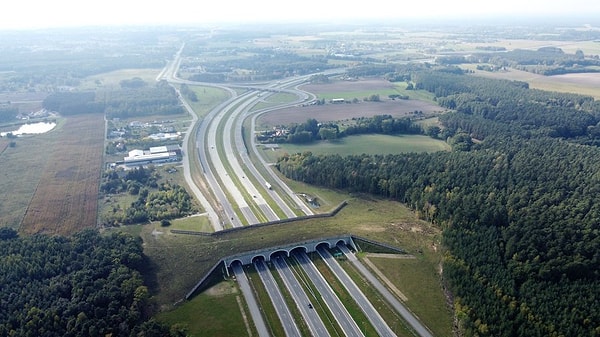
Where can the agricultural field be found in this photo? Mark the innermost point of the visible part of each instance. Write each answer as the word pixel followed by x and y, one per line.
pixel 583 83
pixel 343 111
pixel 21 168
pixel 65 199
pixel 111 80
pixel 359 144
pixel 340 112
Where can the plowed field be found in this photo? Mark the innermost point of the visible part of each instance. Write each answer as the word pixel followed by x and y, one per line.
pixel 341 111
pixel 65 200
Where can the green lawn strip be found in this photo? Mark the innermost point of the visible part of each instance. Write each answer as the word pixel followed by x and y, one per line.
pixel 419 281
pixel 330 322
pixel 274 100
pixel 208 98
pixel 292 305
pixel 264 301
pixel 328 199
pixel 421 95
pixel 353 308
pixel 359 144
pixel 433 121
pixel 215 312
pixel 195 223
pixel 391 317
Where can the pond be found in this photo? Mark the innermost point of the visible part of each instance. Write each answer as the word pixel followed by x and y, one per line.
pixel 30 129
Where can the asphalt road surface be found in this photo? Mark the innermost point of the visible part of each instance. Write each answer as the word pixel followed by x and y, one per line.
pixel 365 305
pixel 285 316
pixel 401 309
pixel 310 315
pixel 334 304
pixel 242 280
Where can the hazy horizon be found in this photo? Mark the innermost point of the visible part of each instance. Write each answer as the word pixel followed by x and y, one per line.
pixel 37 14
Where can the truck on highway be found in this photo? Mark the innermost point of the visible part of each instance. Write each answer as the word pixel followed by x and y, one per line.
pixel 268 185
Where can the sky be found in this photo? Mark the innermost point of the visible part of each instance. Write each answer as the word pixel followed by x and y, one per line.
pixel 28 14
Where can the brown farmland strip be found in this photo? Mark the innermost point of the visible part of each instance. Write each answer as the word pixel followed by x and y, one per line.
pixel 66 198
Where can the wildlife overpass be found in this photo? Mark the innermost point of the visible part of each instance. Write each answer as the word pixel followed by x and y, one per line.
pixel 266 254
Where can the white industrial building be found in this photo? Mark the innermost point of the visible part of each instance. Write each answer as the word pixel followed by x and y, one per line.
pixel 156 155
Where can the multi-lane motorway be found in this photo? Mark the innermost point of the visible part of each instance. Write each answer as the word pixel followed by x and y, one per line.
pixel 242 194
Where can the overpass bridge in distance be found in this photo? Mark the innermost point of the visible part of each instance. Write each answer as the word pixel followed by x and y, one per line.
pixel 308 247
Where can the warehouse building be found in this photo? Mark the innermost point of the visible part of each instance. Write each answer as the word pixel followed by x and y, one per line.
pixel 155 155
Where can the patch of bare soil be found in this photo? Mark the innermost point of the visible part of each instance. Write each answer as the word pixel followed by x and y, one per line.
pixel 391 256
pixel 221 289
pixel 372 228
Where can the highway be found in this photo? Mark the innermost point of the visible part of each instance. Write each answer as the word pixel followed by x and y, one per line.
pixel 212 214
pixel 363 302
pixel 257 317
pixel 310 315
pixel 347 324
pixel 285 316
pixel 232 158
pixel 202 148
pixel 215 140
pixel 209 135
pixel 221 152
pixel 399 307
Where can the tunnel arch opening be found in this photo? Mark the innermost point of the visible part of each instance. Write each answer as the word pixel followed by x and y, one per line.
pixel 283 252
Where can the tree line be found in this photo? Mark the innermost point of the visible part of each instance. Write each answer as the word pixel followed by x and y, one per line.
pixel 85 285
pixel 313 130
pixel 518 208
pixel 129 101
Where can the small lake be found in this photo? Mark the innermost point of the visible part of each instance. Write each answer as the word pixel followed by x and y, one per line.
pixel 31 129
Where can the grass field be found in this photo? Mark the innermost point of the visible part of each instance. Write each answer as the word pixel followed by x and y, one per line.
pixel 371 144
pixel 181 260
pixel 112 79
pixel 215 312
pixel 208 98
pixel 583 84
pixel 20 170
pixel 66 198
pixel 414 280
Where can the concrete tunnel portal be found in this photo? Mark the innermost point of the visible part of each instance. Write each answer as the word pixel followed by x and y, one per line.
pixel 268 253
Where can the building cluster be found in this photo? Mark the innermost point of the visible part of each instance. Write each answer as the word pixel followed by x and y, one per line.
pixel 267 136
pixel 154 155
